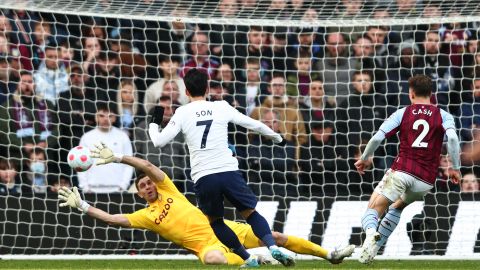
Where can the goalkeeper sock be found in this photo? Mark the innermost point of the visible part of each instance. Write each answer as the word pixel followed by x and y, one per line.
pixel 261 229
pixel 229 238
pixel 233 259
pixel 303 246
pixel 370 220
pixel 388 225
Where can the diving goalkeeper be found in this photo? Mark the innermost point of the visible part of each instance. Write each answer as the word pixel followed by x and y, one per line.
pixel 174 218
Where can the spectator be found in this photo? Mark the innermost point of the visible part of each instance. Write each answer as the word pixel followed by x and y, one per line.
pixel 268 161
pixel 226 78
pixel 469 184
pixel 396 84
pixel 217 92
pixel 61 182
pixel 252 91
pixel 99 179
pixel 128 107
pixel 437 66
pixel 336 67
pixel 172 158
pixel 291 122
pixel 379 37
pixel 6 27
pixel 106 74
pixel 455 38
pixel 67 54
pixel 76 112
pixel 320 158
pixel 278 10
pixel 471 149
pixel 91 51
pixel 298 81
pixel 306 43
pixel 7 84
pixel 200 56
pixel 169 68
pixel 26 120
pixel 316 107
pixel 256 47
pixel 9 178
pixel 51 79
pixel 222 36
pixel 41 36
pixel 363 58
pixel 18 53
pixel 362 113
pixel 470 112
pixel 34 178
pixel 280 61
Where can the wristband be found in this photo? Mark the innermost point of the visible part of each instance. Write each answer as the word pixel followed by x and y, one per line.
pixel 118 157
pixel 84 206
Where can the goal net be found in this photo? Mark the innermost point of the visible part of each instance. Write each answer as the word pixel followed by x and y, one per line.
pixel 324 74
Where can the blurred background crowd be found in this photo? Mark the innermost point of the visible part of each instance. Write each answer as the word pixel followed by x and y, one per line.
pixel 68 80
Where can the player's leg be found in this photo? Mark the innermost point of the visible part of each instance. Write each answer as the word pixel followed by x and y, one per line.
pixel 209 196
pixel 242 197
pixel 415 192
pixel 387 191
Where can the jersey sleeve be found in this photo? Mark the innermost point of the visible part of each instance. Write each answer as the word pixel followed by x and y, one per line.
pixel 447 120
pixel 391 125
pixel 160 139
pixel 238 118
pixel 138 219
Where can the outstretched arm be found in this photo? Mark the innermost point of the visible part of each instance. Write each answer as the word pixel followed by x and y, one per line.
pixel 453 148
pixel 105 155
pixel 255 125
pixel 372 145
pixel 72 199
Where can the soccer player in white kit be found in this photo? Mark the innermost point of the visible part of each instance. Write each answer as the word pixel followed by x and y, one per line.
pixel 214 170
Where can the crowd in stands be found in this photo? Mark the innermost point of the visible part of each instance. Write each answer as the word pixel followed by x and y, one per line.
pixel 70 80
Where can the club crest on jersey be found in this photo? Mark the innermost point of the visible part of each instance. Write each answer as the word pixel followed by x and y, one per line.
pixel 422 111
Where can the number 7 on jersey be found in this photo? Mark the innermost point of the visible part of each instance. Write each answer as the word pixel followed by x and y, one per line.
pixel 207 124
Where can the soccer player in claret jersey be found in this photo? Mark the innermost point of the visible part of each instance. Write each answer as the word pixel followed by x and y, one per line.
pixel 174 218
pixel 422 127
pixel 214 169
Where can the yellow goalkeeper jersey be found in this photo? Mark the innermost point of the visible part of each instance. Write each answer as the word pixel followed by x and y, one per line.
pixel 174 218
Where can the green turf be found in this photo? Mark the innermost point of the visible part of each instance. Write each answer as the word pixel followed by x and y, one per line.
pixel 177 264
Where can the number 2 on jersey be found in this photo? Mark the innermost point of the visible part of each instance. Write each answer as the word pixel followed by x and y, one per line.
pixel 418 141
pixel 207 124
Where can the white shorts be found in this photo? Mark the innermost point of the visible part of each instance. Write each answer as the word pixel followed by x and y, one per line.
pixel 396 185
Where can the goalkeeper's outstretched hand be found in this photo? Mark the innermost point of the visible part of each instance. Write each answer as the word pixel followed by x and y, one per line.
pixel 72 199
pixel 104 155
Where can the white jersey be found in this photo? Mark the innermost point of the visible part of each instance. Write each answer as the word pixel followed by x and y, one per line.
pixel 204 125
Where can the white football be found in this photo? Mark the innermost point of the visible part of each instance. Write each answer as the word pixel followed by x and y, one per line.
pixel 79 159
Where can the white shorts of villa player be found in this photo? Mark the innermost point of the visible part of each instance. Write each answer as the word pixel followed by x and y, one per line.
pixel 399 185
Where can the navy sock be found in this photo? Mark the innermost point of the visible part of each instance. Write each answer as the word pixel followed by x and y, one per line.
pixel 261 229
pixel 229 238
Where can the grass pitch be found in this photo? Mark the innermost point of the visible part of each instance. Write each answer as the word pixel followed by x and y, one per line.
pixel 190 264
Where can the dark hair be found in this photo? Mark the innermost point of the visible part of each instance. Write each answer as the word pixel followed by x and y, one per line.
pixel 360 72
pixel 256 28
pixel 140 176
pixel 38 151
pixel 26 72
pixel 421 84
pixel 196 82
pixel 105 106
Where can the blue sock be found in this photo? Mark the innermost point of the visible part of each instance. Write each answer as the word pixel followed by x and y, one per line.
pixel 261 229
pixel 229 238
pixel 388 224
pixel 370 219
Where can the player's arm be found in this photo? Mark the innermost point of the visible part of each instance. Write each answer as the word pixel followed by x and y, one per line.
pixel 388 128
pixel 105 155
pixel 453 146
pixel 73 199
pixel 160 139
pixel 255 125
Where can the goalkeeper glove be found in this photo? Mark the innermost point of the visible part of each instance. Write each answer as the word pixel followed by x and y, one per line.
pixel 104 155
pixel 72 199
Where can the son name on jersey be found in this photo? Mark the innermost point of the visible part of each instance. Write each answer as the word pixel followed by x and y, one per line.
pixel 204 113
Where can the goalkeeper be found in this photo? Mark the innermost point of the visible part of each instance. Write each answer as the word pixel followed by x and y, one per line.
pixel 174 218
